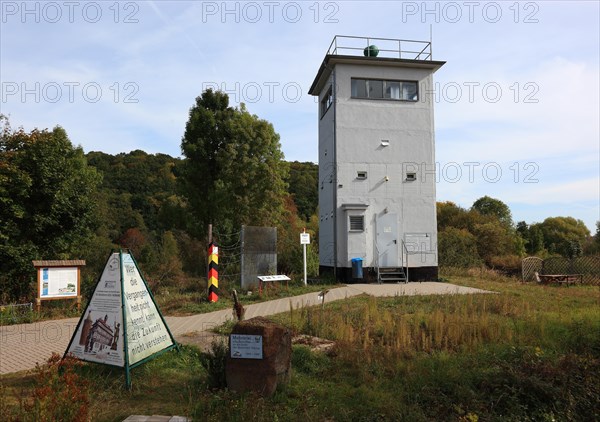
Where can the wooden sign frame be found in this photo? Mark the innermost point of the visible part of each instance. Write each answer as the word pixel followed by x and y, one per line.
pixel 40 266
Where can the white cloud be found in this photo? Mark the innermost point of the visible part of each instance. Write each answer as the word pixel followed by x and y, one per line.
pixel 559 193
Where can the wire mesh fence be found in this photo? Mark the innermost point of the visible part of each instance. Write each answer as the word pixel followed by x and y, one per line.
pixel 229 260
pixel 258 254
pixel 588 266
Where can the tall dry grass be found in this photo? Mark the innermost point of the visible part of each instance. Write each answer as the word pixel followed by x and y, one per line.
pixel 405 326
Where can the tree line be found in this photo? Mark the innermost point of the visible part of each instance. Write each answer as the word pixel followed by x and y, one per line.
pixel 59 203
pixel 485 234
pixel 56 202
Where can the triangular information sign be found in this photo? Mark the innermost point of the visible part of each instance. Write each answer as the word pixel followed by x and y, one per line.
pixel 121 294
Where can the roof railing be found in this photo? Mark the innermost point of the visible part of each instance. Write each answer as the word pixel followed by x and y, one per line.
pixel 388 47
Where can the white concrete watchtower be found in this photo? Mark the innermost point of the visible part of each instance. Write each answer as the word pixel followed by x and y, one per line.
pixel 377 158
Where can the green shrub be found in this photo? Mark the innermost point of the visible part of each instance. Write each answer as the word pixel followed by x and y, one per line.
pixel 214 364
pixel 457 248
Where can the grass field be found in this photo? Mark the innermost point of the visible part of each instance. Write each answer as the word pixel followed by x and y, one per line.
pixel 528 352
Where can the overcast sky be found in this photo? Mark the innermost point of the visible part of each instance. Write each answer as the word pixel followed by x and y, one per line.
pixel 516 105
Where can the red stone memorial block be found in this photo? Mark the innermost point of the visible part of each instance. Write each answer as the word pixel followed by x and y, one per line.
pixel 260 354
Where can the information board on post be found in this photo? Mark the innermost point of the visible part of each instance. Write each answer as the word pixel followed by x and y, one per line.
pixel 58 279
pixel 304 240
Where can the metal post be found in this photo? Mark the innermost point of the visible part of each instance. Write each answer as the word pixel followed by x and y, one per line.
pixel 124 316
pixel 430 42
pixel 242 257
pixel 304 255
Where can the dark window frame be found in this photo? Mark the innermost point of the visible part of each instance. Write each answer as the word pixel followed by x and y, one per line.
pixel 384 81
pixel 326 102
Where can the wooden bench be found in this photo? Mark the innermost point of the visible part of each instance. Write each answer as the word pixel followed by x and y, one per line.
pixel 264 279
pixel 558 278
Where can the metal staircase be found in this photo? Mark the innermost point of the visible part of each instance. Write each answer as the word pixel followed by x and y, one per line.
pixel 393 274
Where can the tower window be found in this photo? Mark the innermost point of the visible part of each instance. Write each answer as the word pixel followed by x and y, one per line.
pixel 326 101
pixel 384 89
pixel 361 175
pixel 411 177
pixel 357 223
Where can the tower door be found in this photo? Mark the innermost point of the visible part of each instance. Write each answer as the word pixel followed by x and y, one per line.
pixel 387 240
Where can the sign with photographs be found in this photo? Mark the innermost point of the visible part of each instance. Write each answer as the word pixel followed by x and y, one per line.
pixel 57 282
pixel 121 325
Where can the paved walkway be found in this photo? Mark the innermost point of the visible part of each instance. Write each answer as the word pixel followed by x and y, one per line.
pixel 23 345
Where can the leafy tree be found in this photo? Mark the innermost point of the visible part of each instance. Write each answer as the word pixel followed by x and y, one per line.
pixel 192 253
pixel 450 215
pixel 47 210
pixel 493 239
pixel 303 184
pixel 532 236
pixel 523 229
pixel 563 235
pixel 233 173
pixel 457 248
pixel 490 206
pixel 536 240
pixel 592 246
pixel 162 261
pixel 134 240
pixel 489 222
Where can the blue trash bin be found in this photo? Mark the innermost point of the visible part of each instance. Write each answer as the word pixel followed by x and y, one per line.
pixel 357 268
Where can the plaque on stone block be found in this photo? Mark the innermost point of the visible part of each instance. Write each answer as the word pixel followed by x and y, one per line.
pixel 245 346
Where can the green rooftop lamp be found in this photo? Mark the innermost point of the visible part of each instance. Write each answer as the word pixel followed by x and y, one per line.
pixel 371 51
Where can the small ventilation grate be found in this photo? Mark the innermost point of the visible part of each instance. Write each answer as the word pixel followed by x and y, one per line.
pixel 357 223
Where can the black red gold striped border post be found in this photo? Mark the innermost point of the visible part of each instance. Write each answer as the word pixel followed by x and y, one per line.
pixel 213 272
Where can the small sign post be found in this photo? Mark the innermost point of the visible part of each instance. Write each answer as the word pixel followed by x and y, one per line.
pixel 304 240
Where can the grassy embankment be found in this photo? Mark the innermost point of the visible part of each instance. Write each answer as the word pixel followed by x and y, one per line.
pixel 528 352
